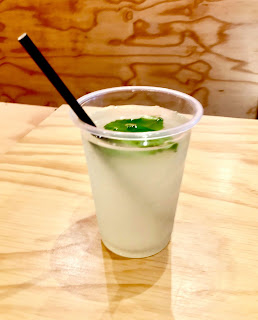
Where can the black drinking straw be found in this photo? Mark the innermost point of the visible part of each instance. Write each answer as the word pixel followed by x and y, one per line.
pixel 52 76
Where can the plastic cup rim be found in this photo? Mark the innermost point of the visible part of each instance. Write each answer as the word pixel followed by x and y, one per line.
pixel 139 135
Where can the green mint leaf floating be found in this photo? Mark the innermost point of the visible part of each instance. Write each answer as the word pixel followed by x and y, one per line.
pixel 174 147
pixel 143 124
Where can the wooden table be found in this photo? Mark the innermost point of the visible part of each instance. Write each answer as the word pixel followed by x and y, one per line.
pixel 17 120
pixel 53 265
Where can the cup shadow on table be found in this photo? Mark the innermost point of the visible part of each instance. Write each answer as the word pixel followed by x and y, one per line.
pixel 143 284
pixel 82 265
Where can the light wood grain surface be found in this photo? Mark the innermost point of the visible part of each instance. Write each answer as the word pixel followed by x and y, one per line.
pixel 207 48
pixel 53 265
pixel 17 120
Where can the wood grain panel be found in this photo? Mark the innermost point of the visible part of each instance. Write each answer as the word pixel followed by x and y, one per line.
pixel 53 265
pixel 207 48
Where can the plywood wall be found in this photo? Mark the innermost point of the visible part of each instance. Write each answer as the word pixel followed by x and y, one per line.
pixel 207 48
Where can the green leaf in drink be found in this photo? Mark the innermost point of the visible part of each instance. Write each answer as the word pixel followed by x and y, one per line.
pixel 143 124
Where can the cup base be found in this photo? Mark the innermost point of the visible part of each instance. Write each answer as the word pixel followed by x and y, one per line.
pixel 131 254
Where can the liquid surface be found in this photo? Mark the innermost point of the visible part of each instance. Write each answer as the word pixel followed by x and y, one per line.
pixel 146 118
pixel 103 116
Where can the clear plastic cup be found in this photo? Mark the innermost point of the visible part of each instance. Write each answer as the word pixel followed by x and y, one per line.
pixel 136 176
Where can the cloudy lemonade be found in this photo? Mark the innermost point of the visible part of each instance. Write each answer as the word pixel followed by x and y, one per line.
pixel 135 184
